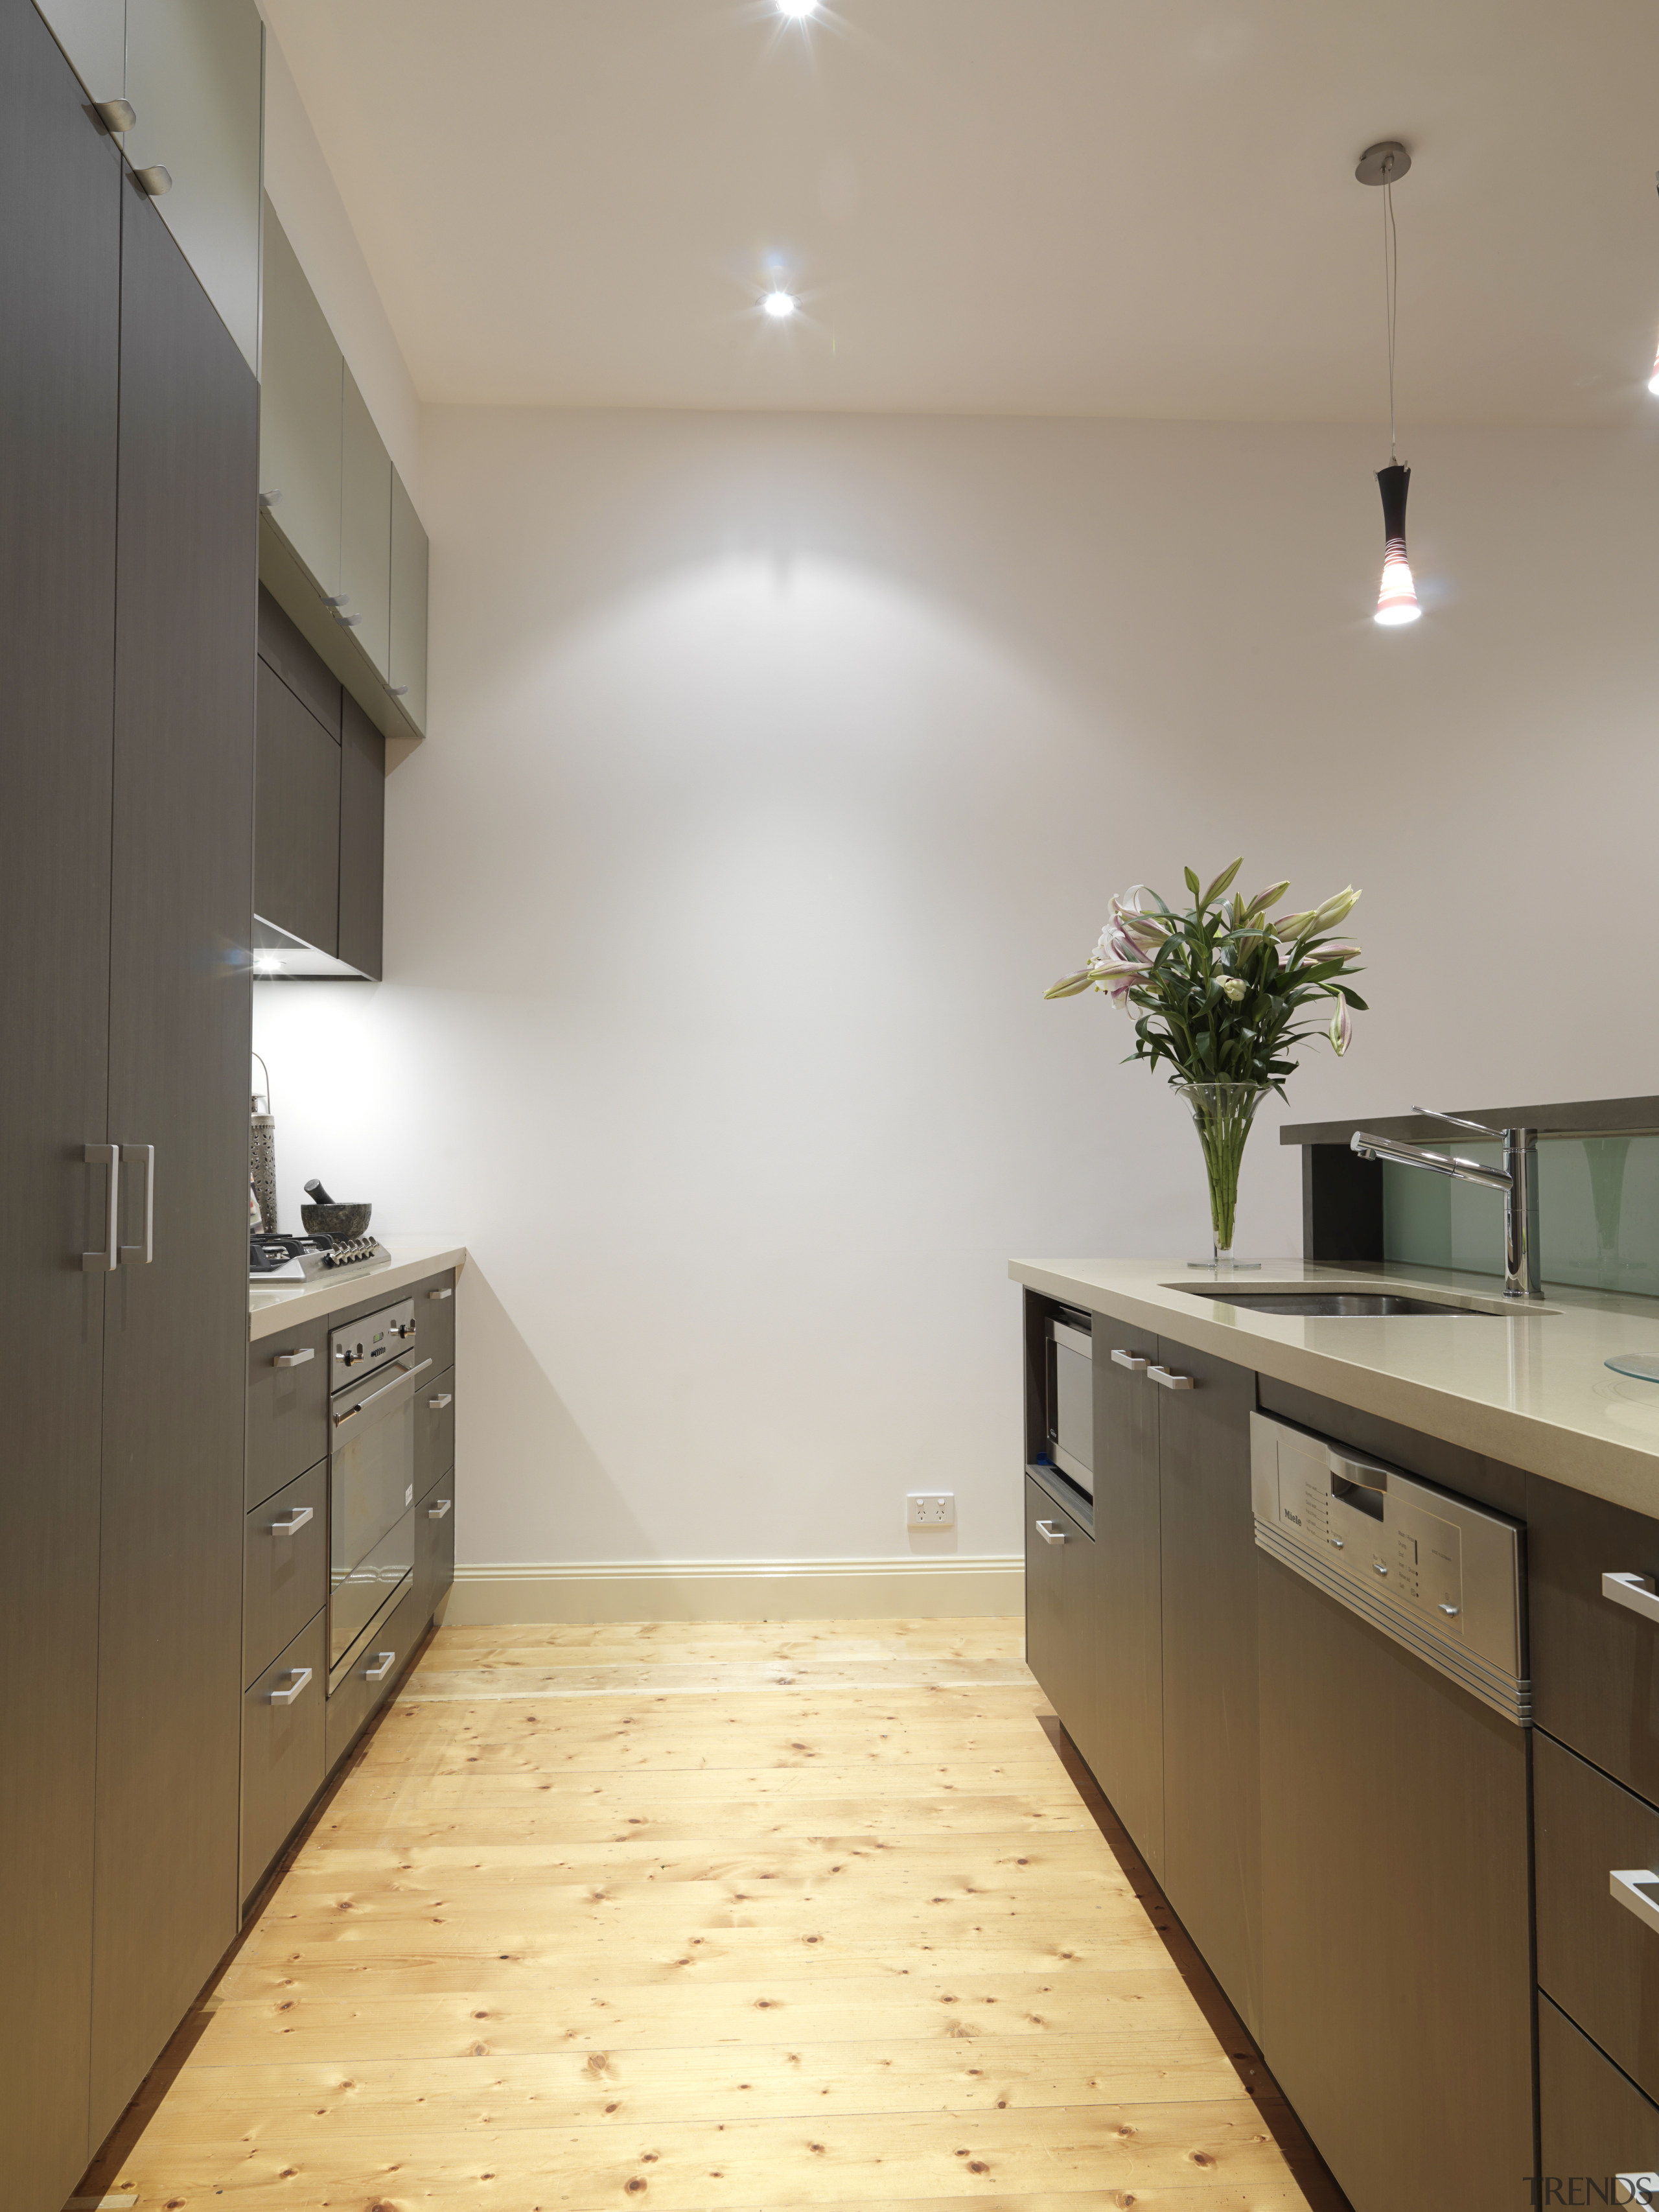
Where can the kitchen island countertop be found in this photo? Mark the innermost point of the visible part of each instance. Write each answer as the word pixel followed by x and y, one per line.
pixel 273 1307
pixel 1531 1388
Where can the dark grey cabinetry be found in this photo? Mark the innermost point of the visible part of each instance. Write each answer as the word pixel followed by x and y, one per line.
pixel 1122 1736
pixel 283 1725
pixel 169 1621
pixel 59 371
pixel 1593 2122
pixel 1060 1621
pixel 1212 1789
pixel 286 1407
pixel 362 840
pixel 1595 1662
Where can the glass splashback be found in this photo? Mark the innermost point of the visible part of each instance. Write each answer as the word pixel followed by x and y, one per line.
pixel 1598 1208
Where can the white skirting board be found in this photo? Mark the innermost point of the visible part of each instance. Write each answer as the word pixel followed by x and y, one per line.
pixel 737 1589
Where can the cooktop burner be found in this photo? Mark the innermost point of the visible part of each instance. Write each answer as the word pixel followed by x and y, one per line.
pixel 281 1258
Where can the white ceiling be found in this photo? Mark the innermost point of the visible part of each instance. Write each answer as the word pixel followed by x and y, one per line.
pixel 1074 207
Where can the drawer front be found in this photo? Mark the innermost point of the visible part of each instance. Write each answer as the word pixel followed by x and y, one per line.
pixel 358 1696
pixel 282 1751
pixel 434 1432
pixel 287 1408
pixel 1052 1575
pixel 435 1547
pixel 434 1319
pixel 1597 1959
pixel 1592 2123
pixel 1593 1662
pixel 284 1575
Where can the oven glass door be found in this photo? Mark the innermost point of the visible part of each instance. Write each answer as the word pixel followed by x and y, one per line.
pixel 371 1493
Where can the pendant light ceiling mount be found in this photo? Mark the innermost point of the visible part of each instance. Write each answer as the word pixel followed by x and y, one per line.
pixel 1385 163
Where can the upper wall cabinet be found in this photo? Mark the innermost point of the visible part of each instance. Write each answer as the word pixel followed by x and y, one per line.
pixel 342 550
pixel 365 530
pixel 300 414
pixel 193 71
pixel 409 562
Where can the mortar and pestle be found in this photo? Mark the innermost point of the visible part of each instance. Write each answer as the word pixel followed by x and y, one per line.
pixel 329 1217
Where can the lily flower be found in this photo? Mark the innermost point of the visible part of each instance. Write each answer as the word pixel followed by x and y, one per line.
pixel 1340 1031
pixel 1235 988
pixel 1336 910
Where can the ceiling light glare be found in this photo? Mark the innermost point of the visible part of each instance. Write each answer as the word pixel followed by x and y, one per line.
pixel 798 10
pixel 779 305
pixel 1653 381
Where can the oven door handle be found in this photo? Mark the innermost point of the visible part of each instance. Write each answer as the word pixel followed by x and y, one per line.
pixel 405 1382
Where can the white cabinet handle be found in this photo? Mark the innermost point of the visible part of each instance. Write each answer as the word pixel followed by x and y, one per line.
pixel 1633 1889
pixel 296 1520
pixel 142 1156
pixel 107 1262
pixel 1049 1534
pixel 1171 1381
pixel 1132 1360
pixel 437 1512
pixel 387 1660
pixel 444 1398
pixel 296 1359
pixel 1634 1591
pixel 297 1678
pixel 155 180
pixel 432 1294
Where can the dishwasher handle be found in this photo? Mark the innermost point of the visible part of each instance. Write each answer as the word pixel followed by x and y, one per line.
pixel 1633 1887
pixel 1049 1534
pixel 1636 1592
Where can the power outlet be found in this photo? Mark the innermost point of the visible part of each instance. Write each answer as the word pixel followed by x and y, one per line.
pixel 929 1509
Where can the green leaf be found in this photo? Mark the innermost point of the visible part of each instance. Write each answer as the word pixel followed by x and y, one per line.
pixel 1220 882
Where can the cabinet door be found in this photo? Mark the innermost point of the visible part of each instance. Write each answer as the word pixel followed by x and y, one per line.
pixel 195 77
pixel 169 1645
pixel 362 839
pixel 1211 1788
pixel 296 818
pixel 94 34
pixel 365 528
pixel 1125 1743
pixel 1593 2122
pixel 302 373
pixel 409 589
pixel 434 1549
pixel 1055 1605
pixel 60 289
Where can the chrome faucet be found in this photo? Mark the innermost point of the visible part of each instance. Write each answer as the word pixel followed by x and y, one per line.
pixel 1518 1179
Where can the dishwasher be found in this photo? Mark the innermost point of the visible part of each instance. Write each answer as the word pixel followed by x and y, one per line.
pixel 1396 1712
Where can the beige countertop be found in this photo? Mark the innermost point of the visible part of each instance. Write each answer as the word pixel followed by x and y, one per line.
pixel 272 1307
pixel 1530 1388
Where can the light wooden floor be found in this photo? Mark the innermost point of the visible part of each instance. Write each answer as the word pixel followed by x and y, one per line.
pixel 690 1916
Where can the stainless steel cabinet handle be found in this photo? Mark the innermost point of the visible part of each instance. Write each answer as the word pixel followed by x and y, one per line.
pixel 1633 1887
pixel 348 622
pixel 401 691
pixel 298 1516
pixel 296 1359
pixel 1132 1360
pixel 1171 1381
pixel 1049 1534
pixel 362 1405
pixel 117 114
pixel 1635 1592
pixel 435 1294
pixel 387 1660
pixel 437 1512
pixel 142 1156
pixel 444 1398
pixel 297 1678
pixel 106 1156
pixel 155 180
pixel 269 499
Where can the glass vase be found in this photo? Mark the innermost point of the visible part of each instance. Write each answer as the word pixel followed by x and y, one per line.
pixel 1222 1114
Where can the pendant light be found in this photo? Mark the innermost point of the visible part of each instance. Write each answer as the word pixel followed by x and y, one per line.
pixel 1396 601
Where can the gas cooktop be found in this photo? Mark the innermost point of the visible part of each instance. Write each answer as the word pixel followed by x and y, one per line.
pixel 277 1258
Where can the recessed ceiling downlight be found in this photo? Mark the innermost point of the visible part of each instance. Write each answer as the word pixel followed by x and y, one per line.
pixel 798 10
pixel 779 304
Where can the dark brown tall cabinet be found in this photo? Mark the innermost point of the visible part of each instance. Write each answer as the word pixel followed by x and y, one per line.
pixel 127 560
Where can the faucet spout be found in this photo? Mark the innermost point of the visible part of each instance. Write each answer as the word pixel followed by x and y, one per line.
pixel 1518 1179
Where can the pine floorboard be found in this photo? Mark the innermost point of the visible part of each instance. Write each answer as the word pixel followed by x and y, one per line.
pixel 689 1916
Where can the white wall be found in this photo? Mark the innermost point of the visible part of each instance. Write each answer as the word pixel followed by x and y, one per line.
pixel 308 205
pixel 784 763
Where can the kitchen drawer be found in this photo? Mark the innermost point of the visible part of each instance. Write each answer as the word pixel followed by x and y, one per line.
pixel 284 1576
pixel 282 1751
pixel 1059 1587
pixel 358 1697
pixel 1599 1962
pixel 435 1318
pixel 287 1407
pixel 435 1547
pixel 1593 2121
pixel 434 1432
pixel 1595 1662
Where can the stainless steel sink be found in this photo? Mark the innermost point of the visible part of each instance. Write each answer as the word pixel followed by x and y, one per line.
pixel 1334 1305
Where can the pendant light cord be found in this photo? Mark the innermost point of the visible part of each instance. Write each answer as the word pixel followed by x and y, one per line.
pixel 1390 288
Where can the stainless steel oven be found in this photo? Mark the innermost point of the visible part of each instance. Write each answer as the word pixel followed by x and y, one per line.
pixel 1068 1353
pixel 376 1370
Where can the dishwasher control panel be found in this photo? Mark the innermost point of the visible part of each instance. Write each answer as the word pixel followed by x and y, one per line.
pixel 1440 1574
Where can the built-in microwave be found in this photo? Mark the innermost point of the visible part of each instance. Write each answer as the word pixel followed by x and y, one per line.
pixel 1068 1357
